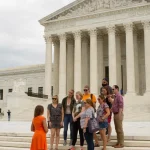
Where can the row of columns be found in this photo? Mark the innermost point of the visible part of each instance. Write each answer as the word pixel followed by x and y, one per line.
pixel 114 55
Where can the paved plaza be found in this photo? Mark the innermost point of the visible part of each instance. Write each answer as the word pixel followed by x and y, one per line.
pixel 130 128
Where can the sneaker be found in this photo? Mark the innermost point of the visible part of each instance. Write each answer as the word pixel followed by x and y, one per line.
pixel 65 143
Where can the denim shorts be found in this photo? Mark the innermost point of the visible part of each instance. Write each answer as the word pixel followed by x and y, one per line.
pixel 103 125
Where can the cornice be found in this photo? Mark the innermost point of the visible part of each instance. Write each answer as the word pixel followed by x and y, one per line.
pixel 128 12
pixel 23 70
pixel 61 10
pixel 99 13
pixel 78 6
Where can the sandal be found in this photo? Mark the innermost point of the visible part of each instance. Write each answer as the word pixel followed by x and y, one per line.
pixel 96 145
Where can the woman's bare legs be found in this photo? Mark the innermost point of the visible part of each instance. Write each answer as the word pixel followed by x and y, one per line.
pixel 109 132
pixel 57 137
pixel 103 137
pixel 95 138
pixel 53 130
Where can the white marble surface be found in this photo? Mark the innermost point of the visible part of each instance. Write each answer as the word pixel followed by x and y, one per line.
pixel 130 128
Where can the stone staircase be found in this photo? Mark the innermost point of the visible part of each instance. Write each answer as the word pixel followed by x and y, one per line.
pixel 21 141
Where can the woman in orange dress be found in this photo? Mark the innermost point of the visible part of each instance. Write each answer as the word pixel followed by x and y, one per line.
pixel 39 127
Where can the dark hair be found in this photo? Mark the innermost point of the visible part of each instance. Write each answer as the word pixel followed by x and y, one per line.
pixel 102 97
pixel 106 79
pixel 39 110
pixel 107 89
pixel 116 87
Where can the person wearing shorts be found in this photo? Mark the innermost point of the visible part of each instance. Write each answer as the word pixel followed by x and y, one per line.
pixel 102 116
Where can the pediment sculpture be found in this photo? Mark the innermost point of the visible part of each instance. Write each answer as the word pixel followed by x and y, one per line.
pixel 89 6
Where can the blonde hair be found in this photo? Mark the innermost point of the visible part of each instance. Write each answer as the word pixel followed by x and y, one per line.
pixel 89 101
pixel 79 93
pixel 86 86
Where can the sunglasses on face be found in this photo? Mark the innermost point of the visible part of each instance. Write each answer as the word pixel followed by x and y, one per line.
pixel 85 90
pixel 54 98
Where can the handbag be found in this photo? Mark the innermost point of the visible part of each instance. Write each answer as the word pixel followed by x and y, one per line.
pixel 93 124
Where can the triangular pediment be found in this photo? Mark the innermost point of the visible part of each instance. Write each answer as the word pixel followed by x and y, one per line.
pixel 85 7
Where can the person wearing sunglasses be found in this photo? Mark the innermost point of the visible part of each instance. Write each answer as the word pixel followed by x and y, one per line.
pixel 55 116
pixel 85 115
pixel 106 94
pixel 103 112
pixel 68 103
pixel 88 95
pixel 117 109
pixel 105 83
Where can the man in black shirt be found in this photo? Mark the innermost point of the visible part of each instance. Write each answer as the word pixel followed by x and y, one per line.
pixel 105 83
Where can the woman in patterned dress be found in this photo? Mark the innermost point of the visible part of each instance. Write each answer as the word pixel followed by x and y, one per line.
pixel 55 117
pixel 102 116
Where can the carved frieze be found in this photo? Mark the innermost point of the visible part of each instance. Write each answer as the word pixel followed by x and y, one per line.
pixel 89 6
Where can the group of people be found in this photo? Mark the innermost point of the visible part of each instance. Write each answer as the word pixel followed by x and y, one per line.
pixel 77 110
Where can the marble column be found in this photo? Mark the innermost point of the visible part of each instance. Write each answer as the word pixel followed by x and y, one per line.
pixel 146 25
pixel 141 56
pixel 70 63
pixel 136 62
pixel 112 56
pixel 85 61
pixel 77 61
pixel 130 63
pixel 48 66
pixel 100 60
pixel 93 61
pixel 56 66
pixel 62 67
pixel 118 60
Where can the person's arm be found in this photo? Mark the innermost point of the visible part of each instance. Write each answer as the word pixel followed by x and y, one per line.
pixel 85 124
pixel 62 116
pixel 111 100
pixel 107 110
pixel 73 113
pixel 48 115
pixel 45 125
pixel 120 103
pixel 78 116
pixel 32 127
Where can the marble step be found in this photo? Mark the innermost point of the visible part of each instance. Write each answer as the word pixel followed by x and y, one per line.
pixel 27 140
pixel 136 138
pixel 77 148
pixel 27 144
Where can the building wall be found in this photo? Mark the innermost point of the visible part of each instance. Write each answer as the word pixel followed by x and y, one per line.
pixel 32 75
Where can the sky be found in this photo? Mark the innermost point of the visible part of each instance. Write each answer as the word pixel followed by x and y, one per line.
pixel 21 35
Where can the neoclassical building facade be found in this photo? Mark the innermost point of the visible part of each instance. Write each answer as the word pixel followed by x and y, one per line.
pixel 94 39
